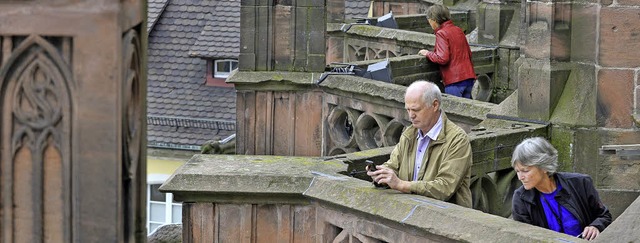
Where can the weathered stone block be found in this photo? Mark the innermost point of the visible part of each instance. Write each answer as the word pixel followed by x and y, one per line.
pixel 300 63
pixel 247 62
pixel 316 63
pixel 618 35
pixel 283 44
pixel 483 152
pixel 540 87
pixel 629 2
pixel 317 44
pixel 494 20
pixel 596 2
pixel 577 104
pixel 335 49
pixel 620 204
pixel 248 2
pixel 563 140
pixel 614 171
pixel 549 31
pixel 501 77
pixel 583 32
pixel 264 2
pixel 335 11
pixel 264 38
pixel 310 3
pixel 620 3
pixel 247 29
pixel 301 36
pixel 316 19
pixel 615 98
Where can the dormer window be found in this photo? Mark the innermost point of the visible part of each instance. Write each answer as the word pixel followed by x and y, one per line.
pixel 222 68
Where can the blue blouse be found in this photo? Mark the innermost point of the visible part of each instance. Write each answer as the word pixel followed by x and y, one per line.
pixel 562 221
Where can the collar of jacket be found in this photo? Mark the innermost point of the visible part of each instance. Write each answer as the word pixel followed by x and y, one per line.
pixel 532 196
pixel 445 24
pixel 411 132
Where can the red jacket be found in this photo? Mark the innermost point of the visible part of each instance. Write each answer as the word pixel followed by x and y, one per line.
pixel 453 54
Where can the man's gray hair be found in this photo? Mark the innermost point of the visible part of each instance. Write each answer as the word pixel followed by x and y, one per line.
pixel 430 93
pixel 538 152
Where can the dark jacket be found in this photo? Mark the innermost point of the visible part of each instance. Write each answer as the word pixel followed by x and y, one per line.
pixel 578 195
pixel 453 53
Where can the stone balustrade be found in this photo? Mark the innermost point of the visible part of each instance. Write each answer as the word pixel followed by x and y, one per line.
pixel 309 199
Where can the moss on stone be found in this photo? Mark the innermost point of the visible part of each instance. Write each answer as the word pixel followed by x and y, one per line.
pixel 562 139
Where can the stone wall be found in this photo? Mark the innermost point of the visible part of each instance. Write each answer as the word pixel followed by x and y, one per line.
pixel 578 72
pixel 72 148
pixel 299 42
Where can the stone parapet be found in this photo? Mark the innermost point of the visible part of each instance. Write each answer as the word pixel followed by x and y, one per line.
pixel 237 178
pixel 270 192
pixel 626 227
pixel 354 86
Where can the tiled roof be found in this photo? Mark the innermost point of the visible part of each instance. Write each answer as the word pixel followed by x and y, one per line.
pixel 220 37
pixel 188 138
pixel 356 9
pixel 154 10
pixel 176 81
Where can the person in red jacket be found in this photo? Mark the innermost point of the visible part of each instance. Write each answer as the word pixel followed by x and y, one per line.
pixel 451 52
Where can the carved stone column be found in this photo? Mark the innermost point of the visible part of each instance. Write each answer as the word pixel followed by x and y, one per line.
pixel 73 121
pixel 547 46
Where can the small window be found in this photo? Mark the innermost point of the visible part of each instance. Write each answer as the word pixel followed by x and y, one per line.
pixel 161 208
pixel 222 68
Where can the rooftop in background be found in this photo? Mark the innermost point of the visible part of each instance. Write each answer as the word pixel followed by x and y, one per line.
pixel 179 31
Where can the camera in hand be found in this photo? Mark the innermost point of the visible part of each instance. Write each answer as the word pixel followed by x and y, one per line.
pixel 372 167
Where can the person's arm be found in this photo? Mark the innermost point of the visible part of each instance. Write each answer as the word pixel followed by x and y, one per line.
pixel 441 54
pixel 452 171
pixel 390 168
pixel 518 210
pixel 597 208
pixel 396 157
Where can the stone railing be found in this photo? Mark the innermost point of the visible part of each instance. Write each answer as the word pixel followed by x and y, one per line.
pixel 305 199
pixel 358 114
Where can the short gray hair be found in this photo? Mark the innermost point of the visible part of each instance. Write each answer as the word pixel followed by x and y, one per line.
pixel 538 152
pixel 431 92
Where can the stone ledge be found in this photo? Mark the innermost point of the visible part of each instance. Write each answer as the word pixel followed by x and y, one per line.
pixel 226 178
pixel 430 216
pixel 624 228
pixel 244 179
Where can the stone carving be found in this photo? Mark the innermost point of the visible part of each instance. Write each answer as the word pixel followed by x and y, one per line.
pixel 132 117
pixel 36 107
pixel 352 130
pixel 363 51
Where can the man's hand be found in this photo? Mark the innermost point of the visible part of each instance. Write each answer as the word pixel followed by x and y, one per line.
pixel 423 52
pixel 384 175
pixel 590 233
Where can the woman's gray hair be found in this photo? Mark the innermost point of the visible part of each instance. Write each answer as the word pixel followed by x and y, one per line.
pixel 538 152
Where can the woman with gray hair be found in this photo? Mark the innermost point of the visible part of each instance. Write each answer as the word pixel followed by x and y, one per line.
pixel 559 201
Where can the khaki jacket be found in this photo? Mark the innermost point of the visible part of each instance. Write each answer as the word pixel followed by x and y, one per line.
pixel 447 174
